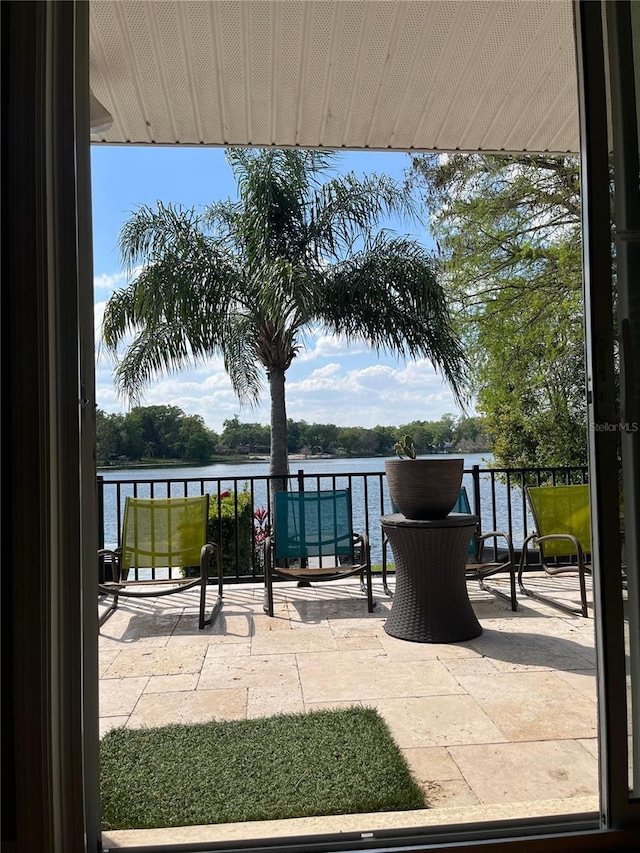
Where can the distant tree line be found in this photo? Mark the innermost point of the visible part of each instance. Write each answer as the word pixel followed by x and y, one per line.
pixel 167 434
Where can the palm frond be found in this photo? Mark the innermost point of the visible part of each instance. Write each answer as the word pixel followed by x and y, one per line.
pixel 285 293
pixel 241 358
pixel 345 208
pixel 274 188
pixel 153 353
pixel 182 301
pixel 388 295
pixel 150 233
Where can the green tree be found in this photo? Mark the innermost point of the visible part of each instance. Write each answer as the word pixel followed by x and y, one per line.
pixel 247 279
pixel 159 427
pixel 293 436
pixel 508 232
pixel 244 437
pixel 198 443
pixel 107 437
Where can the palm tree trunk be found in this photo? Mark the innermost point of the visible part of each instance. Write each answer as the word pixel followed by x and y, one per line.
pixel 279 458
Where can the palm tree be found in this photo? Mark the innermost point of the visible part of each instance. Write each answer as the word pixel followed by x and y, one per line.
pixel 248 279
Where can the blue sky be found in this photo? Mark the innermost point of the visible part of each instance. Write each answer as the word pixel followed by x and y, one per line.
pixel 329 382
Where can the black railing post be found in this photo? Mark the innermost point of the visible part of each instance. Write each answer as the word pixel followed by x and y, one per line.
pixel 477 502
pixel 301 479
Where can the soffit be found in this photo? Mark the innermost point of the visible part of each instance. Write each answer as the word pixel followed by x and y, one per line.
pixel 414 74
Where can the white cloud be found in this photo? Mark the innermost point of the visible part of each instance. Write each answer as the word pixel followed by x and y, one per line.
pixel 105 283
pixel 330 346
pixel 378 394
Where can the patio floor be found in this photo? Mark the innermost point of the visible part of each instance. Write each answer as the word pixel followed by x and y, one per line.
pixel 501 726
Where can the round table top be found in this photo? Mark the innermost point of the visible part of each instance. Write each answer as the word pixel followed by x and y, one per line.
pixel 454 519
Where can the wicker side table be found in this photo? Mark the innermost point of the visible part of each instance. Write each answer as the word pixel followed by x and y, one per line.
pixel 431 603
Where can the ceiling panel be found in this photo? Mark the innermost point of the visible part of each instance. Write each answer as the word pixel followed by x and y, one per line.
pixel 413 74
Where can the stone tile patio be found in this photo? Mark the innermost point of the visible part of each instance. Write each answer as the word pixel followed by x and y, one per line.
pixel 500 726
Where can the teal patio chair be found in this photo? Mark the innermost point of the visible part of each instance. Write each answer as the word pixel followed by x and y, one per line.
pixel 477 568
pixel 563 536
pixel 161 536
pixel 313 540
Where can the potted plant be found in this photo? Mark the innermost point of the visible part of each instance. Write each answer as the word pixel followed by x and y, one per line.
pixel 423 488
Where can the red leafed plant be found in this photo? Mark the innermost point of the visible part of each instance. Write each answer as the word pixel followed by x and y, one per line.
pixel 260 526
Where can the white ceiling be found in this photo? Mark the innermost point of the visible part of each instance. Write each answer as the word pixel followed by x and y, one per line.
pixel 411 74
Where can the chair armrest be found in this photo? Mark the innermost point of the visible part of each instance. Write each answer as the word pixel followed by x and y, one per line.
pixel 550 537
pixel 564 537
pixel 268 547
pixel 206 552
pixel 114 559
pixel 361 541
pixel 106 552
pixel 495 534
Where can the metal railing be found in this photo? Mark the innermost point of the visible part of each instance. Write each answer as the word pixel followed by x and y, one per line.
pixel 496 494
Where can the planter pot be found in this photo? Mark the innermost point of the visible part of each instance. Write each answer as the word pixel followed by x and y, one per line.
pixel 424 488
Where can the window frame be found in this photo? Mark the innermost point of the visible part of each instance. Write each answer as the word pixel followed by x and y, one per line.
pixel 59 434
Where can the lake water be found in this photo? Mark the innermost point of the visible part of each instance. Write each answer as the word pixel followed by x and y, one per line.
pixel 369 498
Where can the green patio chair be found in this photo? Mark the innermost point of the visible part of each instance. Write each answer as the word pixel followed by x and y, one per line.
pixel 477 568
pixel 162 536
pixel 313 540
pixel 563 535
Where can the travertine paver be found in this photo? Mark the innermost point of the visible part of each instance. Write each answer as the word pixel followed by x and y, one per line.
pixel 401 650
pixel 144 660
pixel 278 699
pixel 254 671
pixel 106 659
pixel 584 681
pixel 431 762
pixel 359 642
pixel 356 675
pixel 476 665
pixel 172 683
pixel 533 706
pixel 449 793
pixel 319 639
pixel 196 706
pixel 118 696
pixel 438 721
pixel 229 627
pixel 516 772
pixel 468 716
pixel 326 706
pixel 228 650
pixel 591 745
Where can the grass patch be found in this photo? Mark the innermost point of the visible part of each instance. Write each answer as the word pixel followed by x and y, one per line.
pixel 376 568
pixel 291 765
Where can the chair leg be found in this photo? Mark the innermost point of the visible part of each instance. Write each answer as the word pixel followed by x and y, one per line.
pixel 583 592
pixel 510 596
pixel 109 611
pixel 207 551
pixel 512 583
pixel 369 589
pixel 573 611
pixel 268 591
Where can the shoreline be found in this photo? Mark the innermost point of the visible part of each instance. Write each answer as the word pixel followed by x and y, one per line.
pixel 247 460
